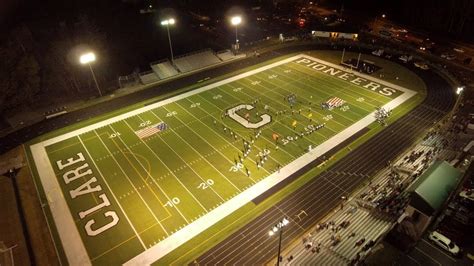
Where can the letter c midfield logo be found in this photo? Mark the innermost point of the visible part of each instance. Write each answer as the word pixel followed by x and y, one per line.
pixel 265 118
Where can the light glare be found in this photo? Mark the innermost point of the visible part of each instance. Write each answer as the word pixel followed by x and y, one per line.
pixel 236 20
pixel 87 58
pixel 170 21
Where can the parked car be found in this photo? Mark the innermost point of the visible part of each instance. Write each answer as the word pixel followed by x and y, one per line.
pixel 467 194
pixel 378 52
pixel 445 243
pixel 406 58
pixel 385 33
pixel 421 65
pixel 448 56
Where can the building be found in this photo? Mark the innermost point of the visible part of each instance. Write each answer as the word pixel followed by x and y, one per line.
pixel 428 194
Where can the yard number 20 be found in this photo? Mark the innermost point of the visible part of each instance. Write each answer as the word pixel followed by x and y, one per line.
pixel 206 184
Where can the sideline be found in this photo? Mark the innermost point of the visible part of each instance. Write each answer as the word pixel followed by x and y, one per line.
pixel 68 232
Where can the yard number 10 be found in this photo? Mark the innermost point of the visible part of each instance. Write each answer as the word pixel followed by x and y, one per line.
pixel 172 202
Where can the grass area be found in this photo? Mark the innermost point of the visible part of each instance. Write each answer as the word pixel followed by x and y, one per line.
pixel 206 240
pixel 192 163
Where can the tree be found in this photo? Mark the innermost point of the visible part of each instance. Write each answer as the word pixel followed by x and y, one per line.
pixel 19 74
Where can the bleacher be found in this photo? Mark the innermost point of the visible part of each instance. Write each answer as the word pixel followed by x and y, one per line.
pixel 225 55
pixel 163 69
pixel 148 77
pixel 200 59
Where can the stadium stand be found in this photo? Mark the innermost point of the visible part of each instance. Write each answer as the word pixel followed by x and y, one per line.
pixel 164 69
pixel 148 77
pixel 196 60
pixel 225 55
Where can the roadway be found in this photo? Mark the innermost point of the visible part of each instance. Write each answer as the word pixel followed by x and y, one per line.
pixel 252 245
pixel 426 253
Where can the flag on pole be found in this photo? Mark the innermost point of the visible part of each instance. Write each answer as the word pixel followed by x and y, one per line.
pixel 294 123
pixel 275 136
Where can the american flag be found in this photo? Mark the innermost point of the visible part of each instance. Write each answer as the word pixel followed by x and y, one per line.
pixel 335 102
pixel 151 130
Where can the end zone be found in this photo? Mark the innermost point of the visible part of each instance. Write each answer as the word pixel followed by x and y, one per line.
pixel 68 232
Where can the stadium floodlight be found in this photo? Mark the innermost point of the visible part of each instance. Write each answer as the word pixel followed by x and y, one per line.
pixel 236 20
pixel 170 21
pixel 459 90
pixel 88 58
pixel 167 23
pixel 383 16
pixel 279 227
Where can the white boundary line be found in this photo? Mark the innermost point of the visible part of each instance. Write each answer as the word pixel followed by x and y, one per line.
pixel 112 192
pixel 68 232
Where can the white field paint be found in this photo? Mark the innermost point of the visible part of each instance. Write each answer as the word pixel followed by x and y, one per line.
pixel 68 232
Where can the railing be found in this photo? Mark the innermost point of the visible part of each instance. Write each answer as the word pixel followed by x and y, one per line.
pixel 193 53
pixel 159 61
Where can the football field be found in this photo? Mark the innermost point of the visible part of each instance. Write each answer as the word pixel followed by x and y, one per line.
pixel 132 188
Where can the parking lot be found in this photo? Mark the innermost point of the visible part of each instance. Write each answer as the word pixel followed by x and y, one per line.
pixel 426 253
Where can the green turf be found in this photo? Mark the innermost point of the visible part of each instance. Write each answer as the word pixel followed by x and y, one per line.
pixel 168 180
pixel 198 245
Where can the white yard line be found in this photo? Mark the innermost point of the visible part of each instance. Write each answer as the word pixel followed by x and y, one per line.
pixel 379 98
pixel 171 171
pixel 112 192
pixel 68 232
pixel 343 90
pixel 197 152
pixel 149 174
pixel 169 244
pixel 43 205
pixel 249 158
pixel 186 163
pixel 161 103
pixel 130 181
pixel 351 120
pixel 74 248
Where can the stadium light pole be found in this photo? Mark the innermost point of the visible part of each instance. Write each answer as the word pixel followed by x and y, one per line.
pixel 279 227
pixel 88 58
pixel 236 20
pixel 167 23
